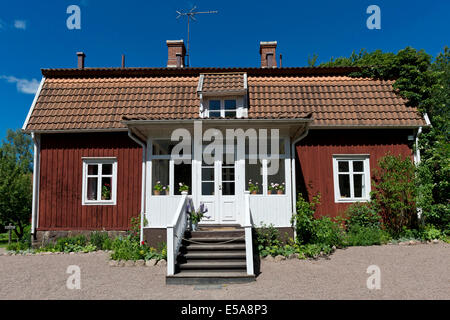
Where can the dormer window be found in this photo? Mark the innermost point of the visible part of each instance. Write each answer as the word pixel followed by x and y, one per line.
pixel 223 108
pixel 223 95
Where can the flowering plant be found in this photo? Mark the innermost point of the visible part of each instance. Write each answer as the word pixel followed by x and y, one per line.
pixel 183 187
pixel 196 216
pixel 276 186
pixel 253 187
pixel 158 186
pixel 106 191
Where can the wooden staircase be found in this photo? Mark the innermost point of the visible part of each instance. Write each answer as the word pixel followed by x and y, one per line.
pixel 212 255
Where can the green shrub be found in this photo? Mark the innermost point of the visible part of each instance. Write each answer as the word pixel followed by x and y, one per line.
pixel 363 214
pixel 71 244
pixel 394 193
pixel 430 233
pixel 18 246
pixel 98 239
pixel 365 236
pixel 107 244
pixel 304 217
pixel 326 232
pixel 127 248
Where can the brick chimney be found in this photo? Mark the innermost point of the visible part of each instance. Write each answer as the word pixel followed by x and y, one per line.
pixel 176 53
pixel 81 57
pixel 267 49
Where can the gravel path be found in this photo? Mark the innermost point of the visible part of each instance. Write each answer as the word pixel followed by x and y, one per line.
pixel 407 272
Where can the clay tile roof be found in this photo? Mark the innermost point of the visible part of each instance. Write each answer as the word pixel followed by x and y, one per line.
pixel 102 100
pixel 222 82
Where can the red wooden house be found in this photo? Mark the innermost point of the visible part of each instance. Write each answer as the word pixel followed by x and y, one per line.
pixel 105 139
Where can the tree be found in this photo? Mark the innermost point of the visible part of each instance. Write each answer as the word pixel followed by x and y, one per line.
pixel 16 162
pixel 426 85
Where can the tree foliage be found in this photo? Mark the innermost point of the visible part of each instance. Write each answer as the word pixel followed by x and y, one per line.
pixel 426 85
pixel 15 180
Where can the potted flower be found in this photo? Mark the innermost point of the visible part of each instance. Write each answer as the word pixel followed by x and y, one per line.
pixel 272 187
pixel 280 189
pixel 158 188
pixel 253 187
pixel 166 189
pixel 183 187
pixel 106 191
pixel 196 216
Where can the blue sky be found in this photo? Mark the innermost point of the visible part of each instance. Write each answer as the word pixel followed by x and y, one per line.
pixel 33 35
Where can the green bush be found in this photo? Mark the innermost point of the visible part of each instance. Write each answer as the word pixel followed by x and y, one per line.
pixel 394 193
pixel 71 244
pixel 127 248
pixel 98 239
pixel 326 232
pixel 363 214
pixel 304 217
pixel 430 233
pixel 365 236
pixel 18 246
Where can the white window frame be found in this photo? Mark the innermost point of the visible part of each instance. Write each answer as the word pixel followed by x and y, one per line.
pixel 171 168
pixel 99 175
pixel 239 109
pixel 351 157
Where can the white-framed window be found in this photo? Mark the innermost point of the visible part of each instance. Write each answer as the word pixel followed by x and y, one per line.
pixel 167 174
pixel 257 173
pixel 99 181
pixel 222 108
pixel 351 176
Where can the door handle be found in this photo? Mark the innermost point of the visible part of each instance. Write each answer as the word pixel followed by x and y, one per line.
pixel 220 187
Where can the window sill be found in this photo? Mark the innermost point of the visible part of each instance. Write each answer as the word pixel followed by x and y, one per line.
pixel 351 200
pixel 99 203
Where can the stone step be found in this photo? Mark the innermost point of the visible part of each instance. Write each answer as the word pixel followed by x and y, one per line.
pixel 215 255
pixel 193 277
pixel 215 239
pixel 213 247
pixel 215 234
pixel 218 265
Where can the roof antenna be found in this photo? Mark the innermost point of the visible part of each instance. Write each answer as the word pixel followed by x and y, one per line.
pixel 190 15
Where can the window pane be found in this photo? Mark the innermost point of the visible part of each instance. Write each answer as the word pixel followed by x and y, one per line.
pixel 183 174
pixel 358 166
pixel 344 185
pixel 92 169
pixel 207 188
pixel 253 177
pixel 92 189
pixel 358 185
pixel 207 174
pixel 343 166
pixel 277 179
pixel 214 108
pixel 228 188
pixel 230 108
pixel 106 168
pixel 106 188
pixel 160 175
pixel 228 174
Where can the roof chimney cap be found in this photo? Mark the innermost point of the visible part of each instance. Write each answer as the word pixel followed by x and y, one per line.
pixel 267 50
pixel 81 57
pixel 176 53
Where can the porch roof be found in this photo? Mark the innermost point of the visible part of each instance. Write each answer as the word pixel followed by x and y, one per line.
pixel 99 99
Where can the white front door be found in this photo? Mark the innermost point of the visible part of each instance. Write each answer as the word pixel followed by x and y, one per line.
pixel 218 192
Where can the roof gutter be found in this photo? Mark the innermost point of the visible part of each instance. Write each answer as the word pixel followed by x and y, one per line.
pixel 219 121
pixel 144 174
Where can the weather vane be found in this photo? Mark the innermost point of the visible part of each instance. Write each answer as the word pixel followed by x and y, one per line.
pixel 191 15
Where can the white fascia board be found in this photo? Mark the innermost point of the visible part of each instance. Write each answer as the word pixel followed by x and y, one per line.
pixel 36 96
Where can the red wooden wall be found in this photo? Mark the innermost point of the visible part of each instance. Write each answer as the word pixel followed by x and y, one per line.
pixel 60 193
pixel 315 154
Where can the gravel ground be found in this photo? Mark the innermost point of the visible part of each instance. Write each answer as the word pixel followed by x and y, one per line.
pixel 407 272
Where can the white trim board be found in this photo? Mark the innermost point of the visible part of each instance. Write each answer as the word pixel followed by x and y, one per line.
pixel 36 96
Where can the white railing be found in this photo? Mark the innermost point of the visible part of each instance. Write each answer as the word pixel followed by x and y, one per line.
pixel 175 231
pixel 248 233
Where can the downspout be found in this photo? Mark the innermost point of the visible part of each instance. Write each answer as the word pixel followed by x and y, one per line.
pixel 293 185
pixel 144 174
pixel 36 174
pixel 417 153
